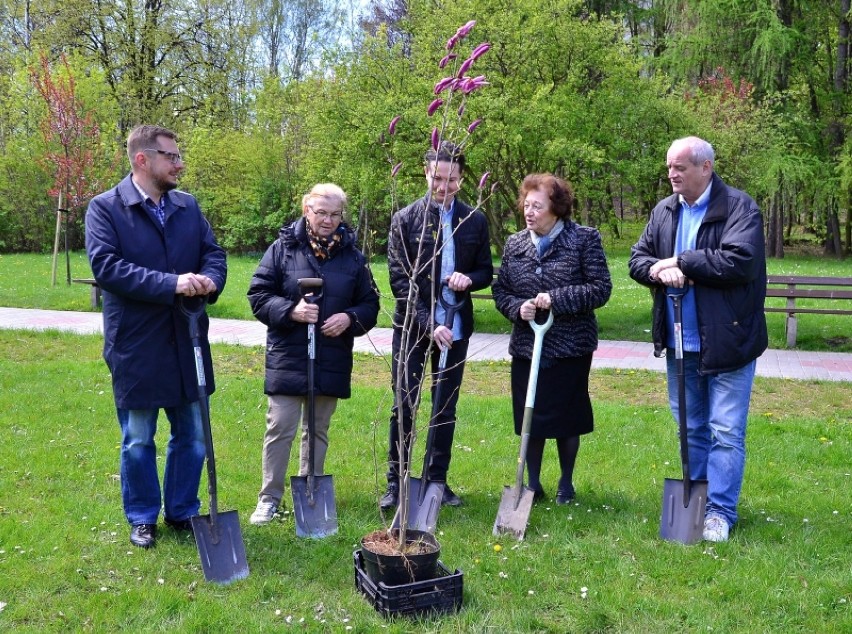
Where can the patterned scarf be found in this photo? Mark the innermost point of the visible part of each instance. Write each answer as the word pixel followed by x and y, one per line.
pixel 324 248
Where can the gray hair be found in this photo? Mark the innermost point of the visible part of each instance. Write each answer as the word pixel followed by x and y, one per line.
pixel 699 149
pixel 329 191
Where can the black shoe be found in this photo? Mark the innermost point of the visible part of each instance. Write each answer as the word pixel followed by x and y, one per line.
pixel 450 498
pixel 565 497
pixel 538 495
pixel 143 535
pixel 390 500
pixel 182 526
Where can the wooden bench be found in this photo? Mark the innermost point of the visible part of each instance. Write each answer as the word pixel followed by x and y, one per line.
pixel 793 287
pixel 97 298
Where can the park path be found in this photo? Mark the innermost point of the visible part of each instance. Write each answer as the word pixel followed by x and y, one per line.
pixel 625 355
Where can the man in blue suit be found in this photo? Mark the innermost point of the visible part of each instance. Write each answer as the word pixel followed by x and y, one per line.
pixel 148 244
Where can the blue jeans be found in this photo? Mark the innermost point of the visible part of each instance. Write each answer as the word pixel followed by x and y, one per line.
pixel 716 417
pixel 185 453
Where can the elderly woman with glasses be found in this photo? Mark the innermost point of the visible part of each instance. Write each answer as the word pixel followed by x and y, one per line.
pixel 553 265
pixel 317 245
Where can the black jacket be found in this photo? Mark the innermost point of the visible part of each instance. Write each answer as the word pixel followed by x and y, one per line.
pixel 472 254
pixel 574 271
pixel 728 271
pixel 274 292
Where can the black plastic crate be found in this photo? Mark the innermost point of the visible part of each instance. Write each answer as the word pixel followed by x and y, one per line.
pixel 442 594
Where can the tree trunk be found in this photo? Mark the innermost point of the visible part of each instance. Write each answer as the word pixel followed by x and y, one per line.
pixel 832 237
pixel 775 228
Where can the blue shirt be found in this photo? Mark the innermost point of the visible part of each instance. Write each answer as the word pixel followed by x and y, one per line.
pixel 159 209
pixel 691 218
pixel 448 267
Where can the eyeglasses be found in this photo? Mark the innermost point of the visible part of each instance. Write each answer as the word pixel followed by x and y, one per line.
pixel 173 157
pixel 327 215
pixel 535 207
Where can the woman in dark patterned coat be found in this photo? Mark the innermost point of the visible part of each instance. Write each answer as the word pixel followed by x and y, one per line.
pixel 554 264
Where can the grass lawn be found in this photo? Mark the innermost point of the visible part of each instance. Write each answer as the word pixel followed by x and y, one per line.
pixel 595 566
pixel 26 283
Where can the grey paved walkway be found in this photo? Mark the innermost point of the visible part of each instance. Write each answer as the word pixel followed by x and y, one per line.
pixel 789 364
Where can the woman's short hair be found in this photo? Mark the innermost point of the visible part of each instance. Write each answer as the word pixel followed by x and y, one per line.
pixel 325 190
pixel 558 191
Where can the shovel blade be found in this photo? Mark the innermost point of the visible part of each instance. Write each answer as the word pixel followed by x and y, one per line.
pixel 422 515
pixel 680 523
pixel 514 512
pixel 314 506
pixel 221 547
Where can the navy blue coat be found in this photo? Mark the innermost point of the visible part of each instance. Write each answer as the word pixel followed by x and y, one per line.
pixel 273 293
pixel 728 271
pixel 137 262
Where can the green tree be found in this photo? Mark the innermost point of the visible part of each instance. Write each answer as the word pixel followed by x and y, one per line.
pixel 797 57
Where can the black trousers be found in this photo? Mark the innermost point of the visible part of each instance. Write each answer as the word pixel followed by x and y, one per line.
pixel 444 408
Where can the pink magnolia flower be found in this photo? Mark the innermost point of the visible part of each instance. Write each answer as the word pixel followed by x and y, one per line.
pixel 480 50
pixel 483 179
pixel 465 30
pixel 392 126
pixel 451 43
pixel 442 85
pixel 446 59
pixel 434 106
pixel 466 64
pixel 396 169
pixel 469 84
pixel 473 127
pixel 436 138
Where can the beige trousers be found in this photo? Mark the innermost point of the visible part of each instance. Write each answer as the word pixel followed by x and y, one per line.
pixel 282 421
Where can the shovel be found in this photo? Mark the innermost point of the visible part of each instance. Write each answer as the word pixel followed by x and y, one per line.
pixel 424 495
pixel 516 502
pixel 313 495
pixel 683 500
pixel 218 535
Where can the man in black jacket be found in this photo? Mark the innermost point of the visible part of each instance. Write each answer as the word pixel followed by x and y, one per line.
pixel 708 238
pixel 436 239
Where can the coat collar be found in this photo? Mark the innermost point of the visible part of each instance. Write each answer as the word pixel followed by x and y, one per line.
pixel 717 206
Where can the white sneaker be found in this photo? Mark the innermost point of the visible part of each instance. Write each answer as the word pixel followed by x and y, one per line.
pixel 263 513
pixel 715 529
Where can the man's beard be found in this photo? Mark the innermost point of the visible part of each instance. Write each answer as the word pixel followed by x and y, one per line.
pixel 164 185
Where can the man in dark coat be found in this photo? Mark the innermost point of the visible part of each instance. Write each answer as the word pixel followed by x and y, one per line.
pixel 149 246
pixel 708 238
pixel 436 239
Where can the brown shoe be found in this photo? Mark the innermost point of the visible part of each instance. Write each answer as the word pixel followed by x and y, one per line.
pixel 143 535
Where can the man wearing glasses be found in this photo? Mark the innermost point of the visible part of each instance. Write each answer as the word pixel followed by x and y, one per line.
pixel 435 239
pixel 148 245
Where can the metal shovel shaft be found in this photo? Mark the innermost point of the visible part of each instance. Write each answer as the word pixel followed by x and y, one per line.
pixel 314 505
pixel 425 496
pixel 516 503
pixel 217 536
pixel 684 501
